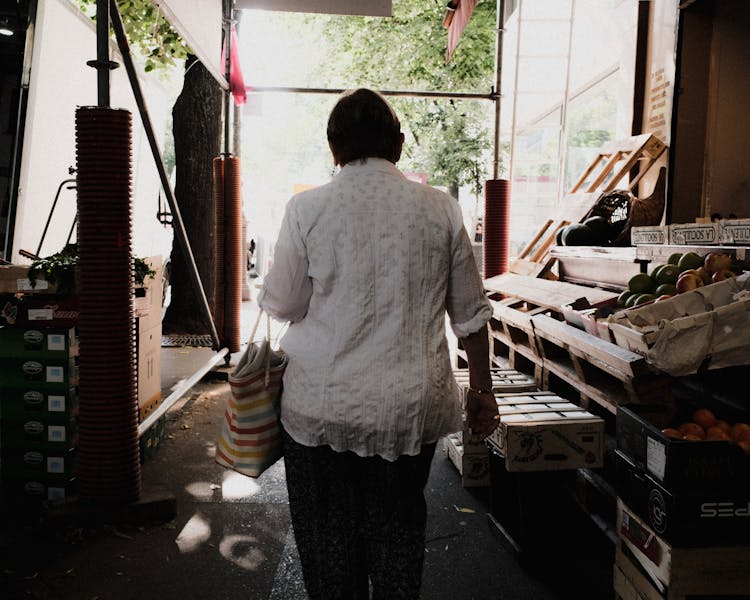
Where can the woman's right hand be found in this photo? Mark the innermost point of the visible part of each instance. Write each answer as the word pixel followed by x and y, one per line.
pixel 481 412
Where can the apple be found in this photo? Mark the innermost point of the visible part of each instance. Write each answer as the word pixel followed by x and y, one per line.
pixel 704 275
pixel 714 262
pixel 722 274
pixel 688 282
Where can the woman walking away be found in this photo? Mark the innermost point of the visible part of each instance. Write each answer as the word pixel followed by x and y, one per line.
pixel 365 269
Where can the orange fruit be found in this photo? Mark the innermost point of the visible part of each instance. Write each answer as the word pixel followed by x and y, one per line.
pixel 745 445
pixel 671 432
pixel 723 425
pixel 716 433
pixel 692 429
pixel 693 438
pixel 744 436
pixel 738 429
pixel 704 417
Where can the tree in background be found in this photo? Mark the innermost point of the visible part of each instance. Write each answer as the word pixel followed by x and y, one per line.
pixel 196 128
pixel 450 139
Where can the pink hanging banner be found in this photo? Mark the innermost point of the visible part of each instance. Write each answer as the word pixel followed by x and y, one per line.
pixel 236 81
pixel 462 11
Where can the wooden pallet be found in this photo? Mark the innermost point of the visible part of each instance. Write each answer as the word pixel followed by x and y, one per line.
pixel 602 372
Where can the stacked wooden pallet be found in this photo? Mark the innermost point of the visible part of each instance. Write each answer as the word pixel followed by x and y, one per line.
pixel 529 335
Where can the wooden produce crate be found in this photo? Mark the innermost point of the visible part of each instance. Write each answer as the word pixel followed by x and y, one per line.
pixel 604 267
pixel 602 372
pixel 468 451
pixel 703 328
pixel 648 567
pixel 472 462
pixel 544 432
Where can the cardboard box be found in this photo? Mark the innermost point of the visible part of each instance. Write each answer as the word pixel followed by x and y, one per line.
pixel 15 278
pixel 43 374
pixel 35 434
pixel 704 328
pixel 20 462
pixel 149 371
pixel 647 566
pixel 538 433
pixel 38 342
pixel 23 403
pixel 649 235
pixel 735 231
pixel 472 463
pixel 148 299
pixel 707 466
pixel 503 380
pixel 150 441
pixel 40 310
pixel 688 518
pixel 25 489
pixel 695 234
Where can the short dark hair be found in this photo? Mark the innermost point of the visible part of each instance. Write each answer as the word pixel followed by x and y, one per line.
pixel 362 125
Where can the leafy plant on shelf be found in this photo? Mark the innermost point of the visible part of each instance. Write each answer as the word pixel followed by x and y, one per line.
pixel 59 269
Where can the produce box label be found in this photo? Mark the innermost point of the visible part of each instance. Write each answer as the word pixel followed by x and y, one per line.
pixel 735 231
pixel 649 235
pixel 694 234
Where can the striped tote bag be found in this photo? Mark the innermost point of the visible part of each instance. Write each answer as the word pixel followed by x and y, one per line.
pixel 250 435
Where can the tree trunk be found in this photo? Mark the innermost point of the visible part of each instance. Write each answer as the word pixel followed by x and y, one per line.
pixel 197 141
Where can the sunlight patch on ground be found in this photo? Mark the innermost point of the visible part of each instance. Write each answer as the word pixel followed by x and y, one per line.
pixel 196 532
pixel 243 551
pixel 201 490
pixel 237 486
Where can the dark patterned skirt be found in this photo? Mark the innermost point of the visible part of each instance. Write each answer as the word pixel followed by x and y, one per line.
pixel 358 521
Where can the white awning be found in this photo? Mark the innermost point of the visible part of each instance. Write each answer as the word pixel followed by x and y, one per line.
pixel 374 8
pixel 199 23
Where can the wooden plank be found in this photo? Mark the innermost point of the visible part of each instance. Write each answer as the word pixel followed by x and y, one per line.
pixel 544 292
pixel 618 361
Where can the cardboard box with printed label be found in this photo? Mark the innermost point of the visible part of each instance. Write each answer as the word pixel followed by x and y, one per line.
pixel 546 432
pixel 42 374
pixel 21 403
pixel 715 571
pixel 38 342
pixel 686 517
pixel 708 465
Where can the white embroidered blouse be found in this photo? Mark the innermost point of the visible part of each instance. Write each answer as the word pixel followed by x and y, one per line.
pixel 365 269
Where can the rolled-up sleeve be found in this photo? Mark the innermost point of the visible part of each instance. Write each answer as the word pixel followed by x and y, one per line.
pixel 287 288
pixel 467 304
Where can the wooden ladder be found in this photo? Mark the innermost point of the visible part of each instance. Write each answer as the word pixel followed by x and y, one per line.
pixel 611 164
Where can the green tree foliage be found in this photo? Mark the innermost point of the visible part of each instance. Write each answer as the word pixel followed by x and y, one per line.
pixel 449 140
pixel 148 32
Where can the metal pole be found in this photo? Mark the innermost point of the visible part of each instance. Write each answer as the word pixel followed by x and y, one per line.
pixel 228 16
pixel 102 64
pixel 184 386
pixel 498 84
pixel 179 226
pixel 404 93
